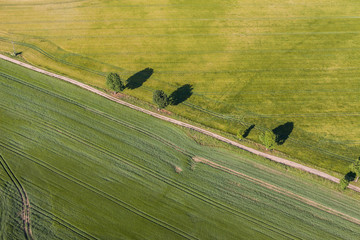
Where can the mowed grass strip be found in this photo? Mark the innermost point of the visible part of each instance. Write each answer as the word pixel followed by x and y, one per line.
pixel 110 172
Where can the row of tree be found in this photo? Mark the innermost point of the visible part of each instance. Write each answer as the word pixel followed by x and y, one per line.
pixel 160 98
pixel 268 138
pixel 114 82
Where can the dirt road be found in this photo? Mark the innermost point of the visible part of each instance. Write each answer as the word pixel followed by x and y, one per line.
pixel 198 129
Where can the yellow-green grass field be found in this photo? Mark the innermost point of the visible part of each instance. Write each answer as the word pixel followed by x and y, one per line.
pixel 94 169
pixel 264 62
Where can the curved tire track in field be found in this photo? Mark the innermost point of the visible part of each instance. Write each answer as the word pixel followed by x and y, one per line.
pixel 177 122
pixel 100 192
pixel 193 192
pixel 25 215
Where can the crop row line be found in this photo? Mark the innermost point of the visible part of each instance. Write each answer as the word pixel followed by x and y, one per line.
pixel 186 19
pixel 162 178
pixel 248 114
pixel 98 112
pixel 113 119
pixel 57 219
pixel 25 200
pixel 68 134
pixel 63 222
pixel 99 192
pixel 277 189
pixel 177 122
pixel 52 56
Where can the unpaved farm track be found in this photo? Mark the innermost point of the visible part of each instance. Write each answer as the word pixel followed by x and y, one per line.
pixel 177 122
pixel 25 215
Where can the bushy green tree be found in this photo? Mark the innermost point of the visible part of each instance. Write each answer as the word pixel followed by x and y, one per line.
pixel 349 177
pixel 268 138
pixel 160 98
pixel 355 166
pixel 344 183
pixel 114 82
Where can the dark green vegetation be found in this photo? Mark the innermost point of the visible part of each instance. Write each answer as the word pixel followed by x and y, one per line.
pixel 249 62
pixel 10 207
pixel 114 82
pixel 355 167
pixel 160 99
pixel 268 138
pixel 95 169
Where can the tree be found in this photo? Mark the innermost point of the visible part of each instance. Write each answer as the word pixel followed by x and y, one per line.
pixel 160 98
pixel 355 166
pixel 344 183
pixel 268 138
pixel 349 177
pixel 114 82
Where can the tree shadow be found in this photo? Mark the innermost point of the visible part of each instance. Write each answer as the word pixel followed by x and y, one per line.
pixel 283 132
pixel 15 54
pixel 139 78
pixel 247 131
pixel 350 176
pixel 181 94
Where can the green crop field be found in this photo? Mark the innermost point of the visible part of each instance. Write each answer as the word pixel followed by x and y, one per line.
pixel 94 169
pixel 248 62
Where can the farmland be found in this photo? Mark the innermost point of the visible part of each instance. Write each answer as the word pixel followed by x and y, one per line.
pixel 95 169
pixel 248 62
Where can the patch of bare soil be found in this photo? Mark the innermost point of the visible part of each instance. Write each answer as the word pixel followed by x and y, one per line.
pixel 178 169
pixel 118 95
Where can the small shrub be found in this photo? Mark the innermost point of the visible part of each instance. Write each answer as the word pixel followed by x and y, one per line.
pixel 268 138
pixel 355 166
pixel 241 132
pixel 344 183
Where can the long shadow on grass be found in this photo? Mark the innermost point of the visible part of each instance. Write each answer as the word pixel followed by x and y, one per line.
pixel 283 132
pixel 248 130
pixel 139 78
pixel 181 94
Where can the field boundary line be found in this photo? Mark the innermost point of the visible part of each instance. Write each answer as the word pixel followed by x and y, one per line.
pixel 183 124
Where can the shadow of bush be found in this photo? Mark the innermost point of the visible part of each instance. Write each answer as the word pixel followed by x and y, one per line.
pixel 283 132
pixel 139 78
pixel 248 130
pixel 181 94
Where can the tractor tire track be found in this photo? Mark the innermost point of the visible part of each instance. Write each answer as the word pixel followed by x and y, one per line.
pixel 100 192
pixel 277 189
pixel 180 123
pixel 58 220
pixel 25 215
pixel 46 126
pixel 158 176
